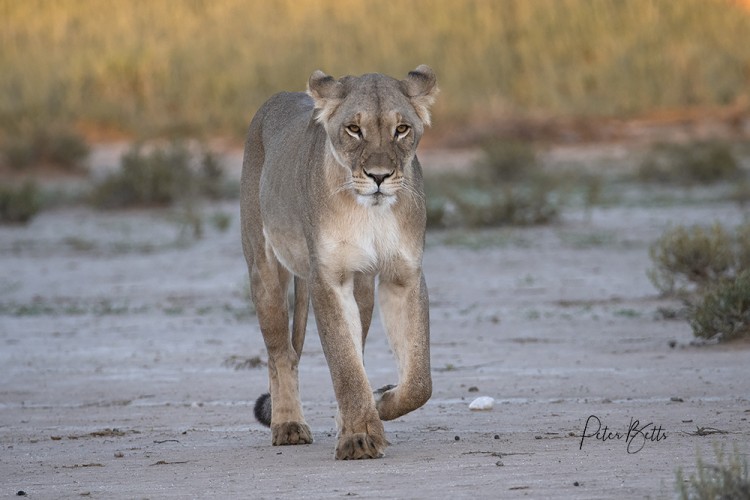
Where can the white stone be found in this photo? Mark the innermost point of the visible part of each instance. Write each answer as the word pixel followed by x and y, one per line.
pixel 482 403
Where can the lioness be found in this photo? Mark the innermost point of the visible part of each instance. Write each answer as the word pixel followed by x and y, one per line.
pixel 332 194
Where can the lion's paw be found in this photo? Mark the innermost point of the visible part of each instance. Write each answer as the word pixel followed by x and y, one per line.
pixel 360 445
pixel 291 433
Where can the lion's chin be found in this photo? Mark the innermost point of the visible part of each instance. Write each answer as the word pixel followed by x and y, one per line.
pixel 376 199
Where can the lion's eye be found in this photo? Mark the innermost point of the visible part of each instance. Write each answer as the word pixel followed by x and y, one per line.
pixel 354 129
pixel 402 129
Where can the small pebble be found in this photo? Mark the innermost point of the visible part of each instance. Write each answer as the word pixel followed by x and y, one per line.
pixel 457 438
pixel 21 493
pixel 499 463
pixel 672 343
pixel 473 388
pixel 497 436
pixel 576 484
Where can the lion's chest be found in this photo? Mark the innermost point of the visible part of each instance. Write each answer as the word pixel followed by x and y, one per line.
pixel 363 240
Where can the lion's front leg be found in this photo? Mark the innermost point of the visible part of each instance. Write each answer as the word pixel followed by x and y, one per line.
pixel 405 307
pixel 361 433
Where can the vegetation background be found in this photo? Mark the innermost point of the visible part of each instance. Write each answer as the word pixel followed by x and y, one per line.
pixel 144 68
pixel 75 72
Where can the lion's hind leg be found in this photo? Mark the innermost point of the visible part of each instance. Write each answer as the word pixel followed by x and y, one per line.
pixel 282 410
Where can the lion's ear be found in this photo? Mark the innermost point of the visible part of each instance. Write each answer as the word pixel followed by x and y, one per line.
pixel 420 86
pixel 326 92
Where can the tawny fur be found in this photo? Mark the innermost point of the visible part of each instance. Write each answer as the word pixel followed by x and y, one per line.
pixel 332 197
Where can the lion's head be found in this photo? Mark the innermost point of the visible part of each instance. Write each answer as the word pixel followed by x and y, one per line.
pixel 374 123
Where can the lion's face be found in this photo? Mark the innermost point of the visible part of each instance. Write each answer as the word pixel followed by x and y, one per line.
pixel 374 124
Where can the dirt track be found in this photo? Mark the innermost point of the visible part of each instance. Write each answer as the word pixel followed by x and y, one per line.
pixel 127 353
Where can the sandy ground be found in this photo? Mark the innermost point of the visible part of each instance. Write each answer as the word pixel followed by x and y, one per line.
pixel 128 350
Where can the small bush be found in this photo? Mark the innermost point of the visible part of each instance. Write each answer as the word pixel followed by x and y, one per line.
pixel 473 205
pixel 211 177
pixel 221 221
pixel 506 187
pixel 63 149
pixel 508 161
pixel 723 313
pixel 702 162
pixel 159 178
pixel 19 205
pixel 727 480
pixel 710 268
pixel 689 258
pixel 511 206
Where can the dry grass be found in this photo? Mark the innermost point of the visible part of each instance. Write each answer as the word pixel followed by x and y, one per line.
pixel 728 479
pixel 197 67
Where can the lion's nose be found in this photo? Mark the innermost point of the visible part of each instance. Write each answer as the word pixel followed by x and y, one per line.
pixel 378 178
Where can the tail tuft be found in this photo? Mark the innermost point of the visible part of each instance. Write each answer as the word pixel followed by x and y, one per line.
pixel 263 409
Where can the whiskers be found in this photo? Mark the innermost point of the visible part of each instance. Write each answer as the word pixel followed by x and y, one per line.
pixel 413 193
pixel 401 188
pixel 347 185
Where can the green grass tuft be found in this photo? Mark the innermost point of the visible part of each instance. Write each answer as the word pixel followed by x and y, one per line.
pixel 18 205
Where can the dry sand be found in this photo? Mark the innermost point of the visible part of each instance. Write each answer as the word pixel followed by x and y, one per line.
pixel 128 350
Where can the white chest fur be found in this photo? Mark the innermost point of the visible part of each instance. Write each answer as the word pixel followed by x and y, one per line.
pixel 364 238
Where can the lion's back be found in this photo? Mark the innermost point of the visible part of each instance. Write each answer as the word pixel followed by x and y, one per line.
pixel 283 114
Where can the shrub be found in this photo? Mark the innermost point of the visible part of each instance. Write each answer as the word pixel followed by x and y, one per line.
pixel 687 258
pixel 476 205
pixel 158 178
pixel 57 148
pixel 702 162
pixel 726 480
pixel 153 179
pixel 507 161
pixel 742 246
pixel 510 206
pixel 506 187
pixel 19 205
pixel 711 269
pixel 723 313
pixel 211 177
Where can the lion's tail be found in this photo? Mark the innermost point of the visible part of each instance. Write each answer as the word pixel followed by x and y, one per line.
pixel 262 409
